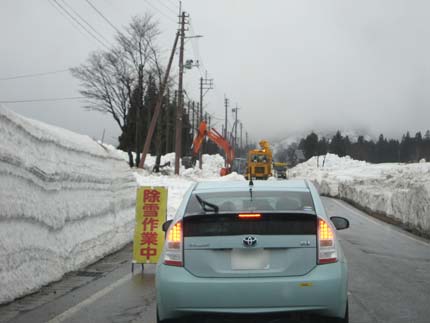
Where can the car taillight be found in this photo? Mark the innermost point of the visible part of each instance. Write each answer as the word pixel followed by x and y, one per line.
pixel 326 245
pixel 249 215
pixel 173 255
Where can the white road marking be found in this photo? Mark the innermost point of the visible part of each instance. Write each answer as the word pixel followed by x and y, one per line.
pixel 368 217
pixel 73 310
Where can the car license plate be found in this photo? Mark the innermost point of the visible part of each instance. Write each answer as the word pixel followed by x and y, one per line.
pixel 250 259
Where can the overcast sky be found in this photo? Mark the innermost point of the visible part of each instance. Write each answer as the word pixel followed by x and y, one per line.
pixel 291 66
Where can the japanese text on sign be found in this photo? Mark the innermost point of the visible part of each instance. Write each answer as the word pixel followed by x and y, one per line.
pixel 151 207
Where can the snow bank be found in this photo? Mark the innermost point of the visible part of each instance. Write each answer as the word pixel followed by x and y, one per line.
pixel 65 201
pixel 398 191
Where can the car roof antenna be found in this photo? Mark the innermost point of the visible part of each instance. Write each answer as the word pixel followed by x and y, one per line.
pixel 251 185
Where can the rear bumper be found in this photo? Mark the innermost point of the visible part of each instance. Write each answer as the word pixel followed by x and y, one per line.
pixel 179 293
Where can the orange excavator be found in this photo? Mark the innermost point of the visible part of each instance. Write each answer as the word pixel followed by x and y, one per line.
pixel 220 141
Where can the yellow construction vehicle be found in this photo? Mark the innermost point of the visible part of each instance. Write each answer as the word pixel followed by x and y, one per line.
pixel 259 162
pixel 280 169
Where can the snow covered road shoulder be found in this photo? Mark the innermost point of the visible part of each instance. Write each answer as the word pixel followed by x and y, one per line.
pixel 65 201
pixel 398 191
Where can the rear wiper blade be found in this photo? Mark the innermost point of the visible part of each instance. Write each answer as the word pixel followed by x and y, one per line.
pixel 206 206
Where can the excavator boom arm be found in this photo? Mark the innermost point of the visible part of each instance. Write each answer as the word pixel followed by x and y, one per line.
pixel 201 133
pixel 217 138
pixel 221 142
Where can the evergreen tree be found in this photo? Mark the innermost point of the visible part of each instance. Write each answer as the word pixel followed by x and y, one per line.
pixel 417 146
pixel 337 145
pixel 381 149
pixel 406 148
pixel 322 147
pixel 310 145
pixel 426 145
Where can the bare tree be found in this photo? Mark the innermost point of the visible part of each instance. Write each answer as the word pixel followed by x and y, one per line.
pixel 106 83
pixel 114 81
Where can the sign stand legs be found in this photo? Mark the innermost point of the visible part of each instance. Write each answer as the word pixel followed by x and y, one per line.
pixel 136 263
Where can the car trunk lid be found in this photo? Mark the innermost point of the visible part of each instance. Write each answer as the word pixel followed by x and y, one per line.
pixel 273 244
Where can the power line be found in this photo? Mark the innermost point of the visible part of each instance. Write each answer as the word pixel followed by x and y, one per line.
pixel 175 4
pixel 196 51
pixel 103 16
pixel 80 24
pixel 111 24
pixel 32 75
pixel 160 11
pixel 169 8
pixel 213 116
pixel 72 22
pixel 44 100
pixel 85 21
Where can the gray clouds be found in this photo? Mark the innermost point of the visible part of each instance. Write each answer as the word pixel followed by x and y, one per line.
pixel 291 66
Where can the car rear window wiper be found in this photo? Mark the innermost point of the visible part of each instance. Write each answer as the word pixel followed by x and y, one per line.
pixel 206 206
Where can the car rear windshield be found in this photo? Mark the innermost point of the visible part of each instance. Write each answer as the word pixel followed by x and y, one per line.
pixel 260 201
pixel 267 224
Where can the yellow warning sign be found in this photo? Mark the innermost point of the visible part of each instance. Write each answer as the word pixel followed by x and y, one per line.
pixel 151 213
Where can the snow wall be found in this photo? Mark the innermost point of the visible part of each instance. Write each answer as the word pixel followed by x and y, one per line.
pixel 65 201
pixel 400 192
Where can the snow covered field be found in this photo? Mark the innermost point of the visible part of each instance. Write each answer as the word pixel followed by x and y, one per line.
pixel 398 191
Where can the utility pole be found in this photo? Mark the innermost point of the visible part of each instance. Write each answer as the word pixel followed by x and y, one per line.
pixel 167 130
pixel 157 109
pixel 180 108
pixel 187 126
pixel 246 140
pixel 225 123
pixel 205 85
pixel 241 145
pixel 235 127
pixel 193 123
pixel 139 108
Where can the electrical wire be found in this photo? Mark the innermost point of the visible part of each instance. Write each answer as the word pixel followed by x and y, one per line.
pixel 32 75
pixel 196 52
pixel 111 24
pixel 168 8
pixel 103 16
pixel 80 24
pixel 71 21
pixel 44 100
pixel 161 12
pixel 175 4
pixel 85 22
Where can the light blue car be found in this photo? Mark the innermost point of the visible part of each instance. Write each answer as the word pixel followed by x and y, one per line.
pixel 242 249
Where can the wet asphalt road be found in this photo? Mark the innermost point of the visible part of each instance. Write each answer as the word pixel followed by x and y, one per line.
pixel 389 281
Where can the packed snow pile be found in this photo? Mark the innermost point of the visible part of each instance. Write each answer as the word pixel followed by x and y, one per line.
pixel 398 191
pixel 65 201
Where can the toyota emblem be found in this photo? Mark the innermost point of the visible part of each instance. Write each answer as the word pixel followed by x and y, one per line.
pixel 250 241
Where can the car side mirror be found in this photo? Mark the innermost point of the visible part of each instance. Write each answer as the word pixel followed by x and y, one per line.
pixel 339 222
pixel 166 225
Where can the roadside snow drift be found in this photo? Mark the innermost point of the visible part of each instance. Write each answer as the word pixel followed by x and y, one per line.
pixel 398 191
pixel 65 201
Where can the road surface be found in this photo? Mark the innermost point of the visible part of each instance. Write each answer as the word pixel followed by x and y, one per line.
pixel 389 281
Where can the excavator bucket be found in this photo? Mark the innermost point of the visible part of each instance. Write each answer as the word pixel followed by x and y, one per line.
pixel 224 171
